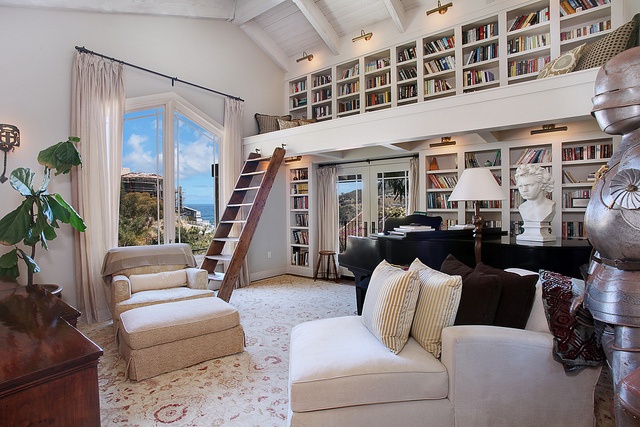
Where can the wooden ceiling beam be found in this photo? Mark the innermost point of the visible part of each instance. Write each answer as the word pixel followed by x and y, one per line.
pixel 316 18
pixel 396 11
pixel 266 43
pixel 246 10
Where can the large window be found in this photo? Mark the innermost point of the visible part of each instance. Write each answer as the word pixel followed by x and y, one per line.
pixel 170 159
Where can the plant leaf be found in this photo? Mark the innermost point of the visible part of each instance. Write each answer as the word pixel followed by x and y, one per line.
pixel 31 263
pixel 21 179
pixel 9 265
pixel 61 157
pixel 74 219
pixel 15 225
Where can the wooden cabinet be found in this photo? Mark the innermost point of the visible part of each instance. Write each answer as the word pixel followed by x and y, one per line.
pixel 48 369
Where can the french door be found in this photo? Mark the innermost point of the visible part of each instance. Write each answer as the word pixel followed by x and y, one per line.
pixel 368 194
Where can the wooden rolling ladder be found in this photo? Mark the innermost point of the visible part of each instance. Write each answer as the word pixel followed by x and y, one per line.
pixel 250 194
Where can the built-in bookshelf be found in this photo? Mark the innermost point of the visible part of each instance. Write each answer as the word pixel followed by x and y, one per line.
pixel 503 48
pixel 300 220
pixel 442 176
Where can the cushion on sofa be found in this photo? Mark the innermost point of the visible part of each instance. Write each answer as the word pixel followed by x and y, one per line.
pixel 390 304
pixel 267 123
pixel 575 344
pixel 437 306
pixel 162 280
pixel 287 124
pixel 480 293
pixel 516 297
pixel 336 362
pixel 599 52
pixel 563 64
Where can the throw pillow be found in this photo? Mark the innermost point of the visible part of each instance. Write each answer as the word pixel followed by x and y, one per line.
pixel 575 344
pixel 390 304
pixel 599 52
pixel 516 297
pixel 437 306
pixel 479 300
pixel 287 124
pixel 302 122
pixel 267 123
pixel 563 64
pixel 162 280
pixel 452 266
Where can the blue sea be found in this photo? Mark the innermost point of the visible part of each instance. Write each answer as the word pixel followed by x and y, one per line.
pixel 205 209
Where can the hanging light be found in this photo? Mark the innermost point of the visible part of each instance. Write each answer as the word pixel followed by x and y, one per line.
pixel 441 9
pixel 9 140
pixel 364 36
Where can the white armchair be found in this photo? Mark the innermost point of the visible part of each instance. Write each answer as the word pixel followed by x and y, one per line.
pixel 145 275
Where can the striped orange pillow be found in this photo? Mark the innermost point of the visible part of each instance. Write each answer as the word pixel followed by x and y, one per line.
pixel 389 305
pixel 437 306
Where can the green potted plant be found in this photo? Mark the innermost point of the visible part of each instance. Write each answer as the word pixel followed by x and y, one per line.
pixel 40 213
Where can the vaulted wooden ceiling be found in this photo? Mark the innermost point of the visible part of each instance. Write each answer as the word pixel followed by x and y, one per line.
pixel 282 28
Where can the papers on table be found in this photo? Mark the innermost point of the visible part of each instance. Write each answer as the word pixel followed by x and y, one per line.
pixel 461 227
pixel 404 229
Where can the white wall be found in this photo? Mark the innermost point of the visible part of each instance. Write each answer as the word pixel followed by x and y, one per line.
pixel 37 51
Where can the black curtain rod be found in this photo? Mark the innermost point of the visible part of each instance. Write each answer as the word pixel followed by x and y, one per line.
pixel 365 160
pixel 173 79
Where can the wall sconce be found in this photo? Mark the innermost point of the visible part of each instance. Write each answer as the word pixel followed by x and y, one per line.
pixel 305 55
pixel 292 159
pixel 362 35
pixel 441 9
pixel 9 140
pixel 549 128
pixel 444 141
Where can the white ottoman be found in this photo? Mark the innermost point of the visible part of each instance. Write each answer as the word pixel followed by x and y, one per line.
pixel 164 337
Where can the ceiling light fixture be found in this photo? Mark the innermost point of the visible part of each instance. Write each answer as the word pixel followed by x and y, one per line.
pixel 441 9
pixel 444 141
pixel 549 128
pixel 305 55
pixel 362 35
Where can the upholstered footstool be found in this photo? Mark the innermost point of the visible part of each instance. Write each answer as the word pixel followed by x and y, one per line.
pixel 164 337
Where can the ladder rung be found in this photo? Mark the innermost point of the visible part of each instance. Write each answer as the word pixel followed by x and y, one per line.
pixel 253 173
pixel 257 187
pixel 216 276
pixel 219 257
pixel 227 239
pixel 234 221
pixel 239 205
pixel 259 159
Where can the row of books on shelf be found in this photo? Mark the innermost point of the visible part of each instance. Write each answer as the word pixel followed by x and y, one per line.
pixel 378 98
pixel 301 202
pixel 301 219
pixel 443 181
pixel 408 73
pixel 440 201
pixel 351 72
pixel 440 64
pixel 300 237
pixel 532 18
pixel 349 88
pixel 587 152
pixel 470 160
pixel 527 66
pixel 482 53
pixel 300 86
pixel 439 45
pixel 322 111
pixel 479 33
pixel 376 64
pixel 570 179
pixel 300 257
pixel 407 54
pixel 474 77
pixel 436 85
pixel 377 81
pixel 486 204
pixel 569 7
pixel 409 91
pixel 298 102
pixel 576 198
pixel 352 104
pixel 493 224
pixel 322 95
pixel 515 199
pixel 535 155
pixel 586 30
pixel 448 223
pixel 299 174
pixel 321 80
pixel 301 188
pixel 573 229
pixel 522 43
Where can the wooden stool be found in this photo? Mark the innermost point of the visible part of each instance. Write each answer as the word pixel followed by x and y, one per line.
pixel 331 273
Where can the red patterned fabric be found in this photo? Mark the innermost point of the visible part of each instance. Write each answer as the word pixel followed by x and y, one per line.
pixel 575 345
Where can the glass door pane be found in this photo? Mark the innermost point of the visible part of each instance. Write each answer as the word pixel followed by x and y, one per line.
pixel 352 220
pixel 390 193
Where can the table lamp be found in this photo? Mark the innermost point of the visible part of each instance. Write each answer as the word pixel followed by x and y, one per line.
pixel 477 185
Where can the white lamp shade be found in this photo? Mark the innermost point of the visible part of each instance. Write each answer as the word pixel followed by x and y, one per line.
pixel 477 184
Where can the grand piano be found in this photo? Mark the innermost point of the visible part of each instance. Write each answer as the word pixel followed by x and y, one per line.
pixel 363 254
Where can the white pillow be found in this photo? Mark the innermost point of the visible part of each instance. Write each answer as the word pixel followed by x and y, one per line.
pixel 389 305
pixel 437 306
pixel 162 280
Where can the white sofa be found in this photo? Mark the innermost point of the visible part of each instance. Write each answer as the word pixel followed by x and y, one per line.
pixel 341 375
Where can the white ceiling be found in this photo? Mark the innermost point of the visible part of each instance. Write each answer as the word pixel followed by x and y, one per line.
pixel 283 28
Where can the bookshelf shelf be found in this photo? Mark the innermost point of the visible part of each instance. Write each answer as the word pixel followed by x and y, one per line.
pixel 300 220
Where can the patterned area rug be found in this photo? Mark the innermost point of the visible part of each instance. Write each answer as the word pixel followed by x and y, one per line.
pixel 246 389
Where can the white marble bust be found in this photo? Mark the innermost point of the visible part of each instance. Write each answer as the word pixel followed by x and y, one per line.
pixel 534 182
